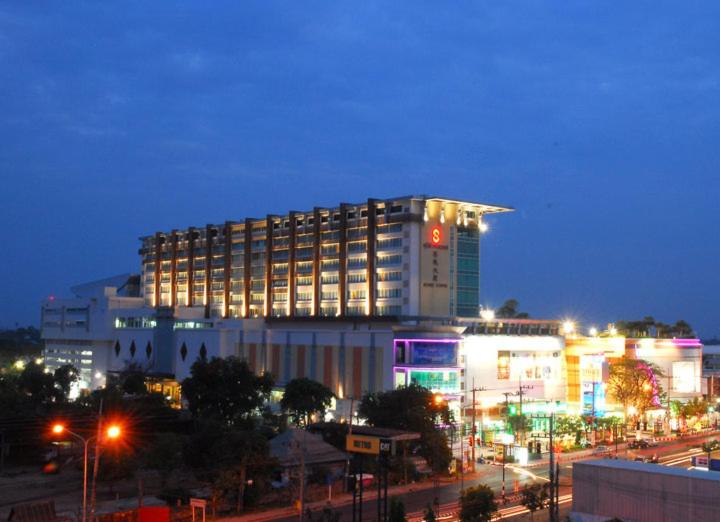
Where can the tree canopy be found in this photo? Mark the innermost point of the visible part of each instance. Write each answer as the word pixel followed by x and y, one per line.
pixel 477 504
pixel 634 382
pixel 649 327
pixel 305 397
pixel 412 408
pixel 509 310
pixel 226 390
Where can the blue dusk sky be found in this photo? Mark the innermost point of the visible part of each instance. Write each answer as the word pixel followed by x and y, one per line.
pixel 598 121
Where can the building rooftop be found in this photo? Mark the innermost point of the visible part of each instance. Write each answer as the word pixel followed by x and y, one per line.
pixel 645 467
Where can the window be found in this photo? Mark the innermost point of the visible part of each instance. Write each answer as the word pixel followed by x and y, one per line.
pixel 356 278
pixel 329 279
pixel 389 228
pixel 389 310
pixel 328 311
pixel 394 259
pixel 389 293
pixel 389 276
pixel 503 366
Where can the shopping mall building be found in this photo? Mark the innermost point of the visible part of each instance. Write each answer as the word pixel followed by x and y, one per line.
pixel 361 297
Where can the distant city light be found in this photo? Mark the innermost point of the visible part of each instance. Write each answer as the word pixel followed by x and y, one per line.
pixel 568 327
pixel 487 314
pixel 98 375
pixel 593 332
pixel 19 364
pixel 483 226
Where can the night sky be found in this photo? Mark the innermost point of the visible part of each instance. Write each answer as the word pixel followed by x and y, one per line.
pixel 598 121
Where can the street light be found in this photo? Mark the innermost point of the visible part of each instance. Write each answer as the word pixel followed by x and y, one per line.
pixel 113 432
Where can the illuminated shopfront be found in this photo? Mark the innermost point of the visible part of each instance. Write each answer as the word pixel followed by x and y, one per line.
pixel 431 363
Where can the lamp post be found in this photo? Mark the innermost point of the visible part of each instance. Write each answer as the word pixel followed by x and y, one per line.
pixel 113 432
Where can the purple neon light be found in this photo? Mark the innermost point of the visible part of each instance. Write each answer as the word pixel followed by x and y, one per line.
pixel 685 343
pixel 651 375
pixel 428 368
pixel 425 340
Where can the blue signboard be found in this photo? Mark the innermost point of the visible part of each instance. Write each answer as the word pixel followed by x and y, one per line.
pixel 434 354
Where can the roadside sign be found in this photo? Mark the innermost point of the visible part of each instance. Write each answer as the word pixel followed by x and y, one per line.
pixel 369 445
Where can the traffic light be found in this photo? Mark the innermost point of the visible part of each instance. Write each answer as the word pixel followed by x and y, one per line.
pixel 471 441
pixel 512 409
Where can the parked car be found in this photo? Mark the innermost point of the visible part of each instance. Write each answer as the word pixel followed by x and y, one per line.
pixel 600 450
pixel 638 444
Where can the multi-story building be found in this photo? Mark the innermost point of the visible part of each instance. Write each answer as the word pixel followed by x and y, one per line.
pixel 588 361
pixel 711 370
pixel 407 256
pixel 79 330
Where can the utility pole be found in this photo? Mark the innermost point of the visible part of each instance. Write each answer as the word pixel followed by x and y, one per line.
pixel 302 479
pixel 520 393
pixel 96 464
pixel 552 473
pixel 473 431
pixel 503 471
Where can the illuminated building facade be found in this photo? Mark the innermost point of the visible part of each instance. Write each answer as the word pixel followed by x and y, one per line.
pixel 79 330
pixel 411 256
pixel 588 360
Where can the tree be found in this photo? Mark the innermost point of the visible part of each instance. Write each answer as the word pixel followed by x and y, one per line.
pixel 695 407
pixel 397 510
pixel 708 447
pixel 228 457
pixel 429 514
pixel 534 497
pixel 569 425
pixel 519 424
pixel 412 408
pixel 509 311
pixel 65 377
pixel 633 382
pixel 327 515
pixel 643 328
pixel 303 398
pixel 164 455
pixel 226 390
pixel 477 504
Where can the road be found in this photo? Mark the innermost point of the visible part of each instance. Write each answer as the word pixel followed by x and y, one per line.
pixel 675 453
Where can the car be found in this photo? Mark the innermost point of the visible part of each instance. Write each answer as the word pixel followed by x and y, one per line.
pixel 639 444
pixel 651 442
pixel 599 450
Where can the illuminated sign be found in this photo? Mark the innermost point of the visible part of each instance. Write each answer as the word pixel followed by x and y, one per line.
pixel 369 445
pixel 435 235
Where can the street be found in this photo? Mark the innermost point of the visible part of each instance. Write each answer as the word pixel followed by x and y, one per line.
pixel 417 497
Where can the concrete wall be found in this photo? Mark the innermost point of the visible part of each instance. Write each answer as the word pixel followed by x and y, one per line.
pixel 639 492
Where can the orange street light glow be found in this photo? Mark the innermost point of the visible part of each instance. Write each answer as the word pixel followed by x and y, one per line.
pixel 113 432
pixel 58 428
pixel 438 399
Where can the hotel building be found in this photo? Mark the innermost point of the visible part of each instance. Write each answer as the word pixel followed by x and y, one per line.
pixel 407 256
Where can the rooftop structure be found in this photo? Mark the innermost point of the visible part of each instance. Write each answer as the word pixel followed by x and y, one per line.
pixel 606 488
